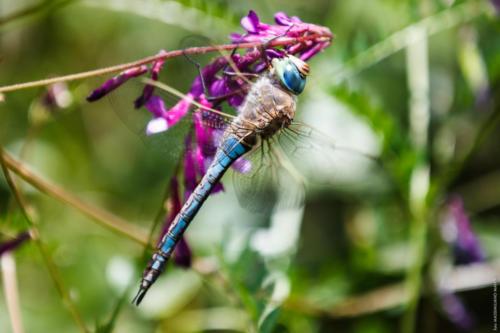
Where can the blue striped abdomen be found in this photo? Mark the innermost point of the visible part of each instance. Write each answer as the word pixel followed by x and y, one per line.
pixel 229 151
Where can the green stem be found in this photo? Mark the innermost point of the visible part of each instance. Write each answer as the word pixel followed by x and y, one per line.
pixel 166 55
pixel 103 217
pixel 418 234
pixel 53 271
pixel 34 9
pixel 400 39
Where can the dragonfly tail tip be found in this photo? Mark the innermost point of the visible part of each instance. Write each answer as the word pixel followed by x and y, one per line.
pixel 139 296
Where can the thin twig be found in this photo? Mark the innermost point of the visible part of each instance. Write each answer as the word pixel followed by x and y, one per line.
pixel 34 9
pixel 53 271
pixel 101 216
pixel 400 39
pixel 163 56
pixel 461 278
pixel 8 268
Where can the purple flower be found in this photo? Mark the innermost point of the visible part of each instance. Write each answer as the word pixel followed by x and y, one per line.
pixel 223 87
pixel 252 24
pixel 496 4
pixel 57 96
pixel 147 92
pixel 163 118
pixel 190 172
pixel 456 311
pixel 14 243
pixel 115 82
pixel 285 27
pixel 457 231
pixel 182 252
pixel 283 19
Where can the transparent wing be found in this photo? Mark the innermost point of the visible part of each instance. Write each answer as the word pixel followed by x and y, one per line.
pixel 298 156
pixel 121 101
pixel 271 182
pixel 321 160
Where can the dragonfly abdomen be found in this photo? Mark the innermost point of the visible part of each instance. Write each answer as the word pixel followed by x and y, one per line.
pixel 229 151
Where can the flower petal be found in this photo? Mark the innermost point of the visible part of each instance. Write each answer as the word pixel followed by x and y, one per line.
pixel 496 4
pixel 57 96
pixel 311 52
pixel 456 311
pixel 457 230
pixel 115 82
pixel 250 22
pixel 182 254
pixel 156 106
pixel 236 38
pixel 147 92
pixel 156 125
pixel 14 243
pixel 190 180
pixel 242 165
pixel 179 110
pixel 282 19
pixel 209 74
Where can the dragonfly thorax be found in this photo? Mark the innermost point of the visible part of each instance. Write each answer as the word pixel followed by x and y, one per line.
pixel 267 109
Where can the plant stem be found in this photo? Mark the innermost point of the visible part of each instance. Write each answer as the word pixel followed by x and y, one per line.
pixel 11 291
pixel 418 239
pixel 166 55
pixel 103 217
pixel 417 68
pixel 34 9
pixel 53 271
pixel 399 40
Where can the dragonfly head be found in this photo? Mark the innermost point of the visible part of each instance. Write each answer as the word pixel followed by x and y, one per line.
pixel 291 72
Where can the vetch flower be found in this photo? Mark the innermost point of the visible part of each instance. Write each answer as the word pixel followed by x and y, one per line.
pixel 457 231
pixel 496 4
pixel 164 118
pixel 223 85
pixel 287 27
pixel 57 96
pixel 190 172
pixel 147 92
pixel 115 82
pixel 252 24
pixel 456 311
pixel 14 243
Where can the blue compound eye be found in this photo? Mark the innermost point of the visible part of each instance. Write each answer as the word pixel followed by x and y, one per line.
pixel 292 79
pixel 291 72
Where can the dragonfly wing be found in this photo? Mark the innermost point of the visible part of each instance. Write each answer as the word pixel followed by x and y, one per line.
pixel 121 101
pixel 297 156
pixel 270 183
pixel 319 157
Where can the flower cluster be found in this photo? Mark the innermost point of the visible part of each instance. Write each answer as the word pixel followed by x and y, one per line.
pixel 496 4
pixel 457 232
pixel 221 86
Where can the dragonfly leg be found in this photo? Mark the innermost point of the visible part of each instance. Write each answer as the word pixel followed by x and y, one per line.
pixel 200 73
pixel 204 85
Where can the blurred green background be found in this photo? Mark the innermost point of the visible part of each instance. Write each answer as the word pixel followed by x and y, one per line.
pixel 414 83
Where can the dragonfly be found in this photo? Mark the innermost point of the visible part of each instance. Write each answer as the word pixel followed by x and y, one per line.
pixel 268 109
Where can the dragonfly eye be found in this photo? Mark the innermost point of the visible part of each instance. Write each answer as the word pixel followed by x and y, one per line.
pixel 289 74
